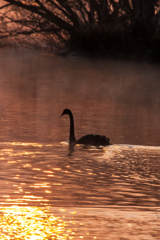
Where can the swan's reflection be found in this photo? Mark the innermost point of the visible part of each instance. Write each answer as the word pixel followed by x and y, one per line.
pixel 71 148
pixel 83 146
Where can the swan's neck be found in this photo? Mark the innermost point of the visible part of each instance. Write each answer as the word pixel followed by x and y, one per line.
pixel 72 136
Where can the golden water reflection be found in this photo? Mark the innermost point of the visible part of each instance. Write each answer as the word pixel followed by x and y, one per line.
pixel 35 223
pixel 32 223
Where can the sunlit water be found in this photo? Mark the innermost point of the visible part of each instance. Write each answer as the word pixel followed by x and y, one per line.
pixel 107 193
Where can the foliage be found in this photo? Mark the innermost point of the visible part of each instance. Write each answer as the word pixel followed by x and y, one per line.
pixel 92 26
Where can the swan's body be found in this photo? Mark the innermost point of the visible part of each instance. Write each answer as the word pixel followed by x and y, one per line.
pixel 90 139
pixel 94 140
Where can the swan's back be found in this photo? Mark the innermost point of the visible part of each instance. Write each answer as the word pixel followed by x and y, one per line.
pixel 94 140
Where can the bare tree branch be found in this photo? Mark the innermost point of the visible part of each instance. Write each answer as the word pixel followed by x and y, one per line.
pixel 85 24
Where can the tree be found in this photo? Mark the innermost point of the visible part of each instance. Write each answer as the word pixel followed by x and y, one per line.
pixel 88 25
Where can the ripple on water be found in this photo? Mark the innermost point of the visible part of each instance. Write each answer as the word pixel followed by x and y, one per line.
pixel 42 174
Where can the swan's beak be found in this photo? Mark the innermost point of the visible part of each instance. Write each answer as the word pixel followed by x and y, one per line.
pixel 61 114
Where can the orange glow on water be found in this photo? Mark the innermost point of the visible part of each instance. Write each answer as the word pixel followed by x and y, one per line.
pixel 32 223
pixel 36 223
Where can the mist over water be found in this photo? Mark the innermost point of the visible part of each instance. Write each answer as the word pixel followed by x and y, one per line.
pixel 112 187
pixel 118 99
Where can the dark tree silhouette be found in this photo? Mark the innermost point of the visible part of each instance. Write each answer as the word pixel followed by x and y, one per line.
pixel 108 26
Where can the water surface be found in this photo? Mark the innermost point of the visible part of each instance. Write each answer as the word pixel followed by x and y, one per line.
pixel 93 193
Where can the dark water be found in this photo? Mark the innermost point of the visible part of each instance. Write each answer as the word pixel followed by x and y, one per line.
pixel 94 193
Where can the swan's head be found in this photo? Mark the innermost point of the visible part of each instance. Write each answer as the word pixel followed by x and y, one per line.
pixel 66 111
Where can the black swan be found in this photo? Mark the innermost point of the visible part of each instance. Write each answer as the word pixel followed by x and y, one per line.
pixel 90 139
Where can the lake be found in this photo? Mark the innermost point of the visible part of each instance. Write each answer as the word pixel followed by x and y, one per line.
pixel 93 193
